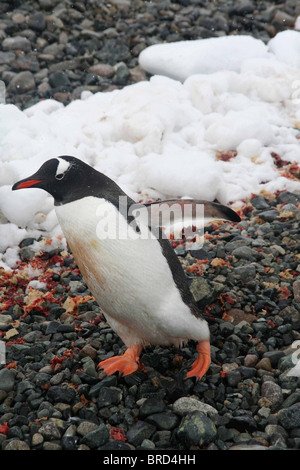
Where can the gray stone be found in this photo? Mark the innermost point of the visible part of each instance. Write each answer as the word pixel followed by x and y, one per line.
pixel 290 314
pixel 63 394
pixel 85 427
pixel 244 252
pixel 121 76
pixel 37 439
pixel 242 7
pixel 16 444
pixel 281 18
pixel 291 400
pixel 113 52
pixel 271 429
pixel 274 356
pixel 185 405
pixel 48 445
pixel 196 429
pixel 200 289
pixel 49 431
pixel 163 421
pixel 150 406
pixel 226 328
pixel 109 396
pixel 233 377
pixel 147 444
pixel 140 431
pixel 22 82
pixel 96 438
pixel 5 318
pixel 59 80
pixel 16 43
pixel 47 4
pixel 287 197
pixel 6 57
pixel 289 418
pixel 244 273
pixel 103 70
pixel 37 22
pixel 247 447
pixel 243 423
pixel 259 203
pixel 250 360
pixel 7 379
pixel 296 290
pixel 269 215
pixel 32 336
pixel 230 246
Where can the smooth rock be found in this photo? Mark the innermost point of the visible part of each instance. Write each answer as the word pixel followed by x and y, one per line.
pixel 7 379
pixel 16 43
pixel 185 405
pixel 37 22
pixel 96 438
pixel 289 418
pixel 140 431
pixel 196 429
pixel 22 82
pixel 272 392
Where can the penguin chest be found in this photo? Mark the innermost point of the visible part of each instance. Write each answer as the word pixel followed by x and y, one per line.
pixel 127 274
pixel 120 267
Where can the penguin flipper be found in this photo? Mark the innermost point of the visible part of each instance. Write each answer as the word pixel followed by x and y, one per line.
pixel 174 215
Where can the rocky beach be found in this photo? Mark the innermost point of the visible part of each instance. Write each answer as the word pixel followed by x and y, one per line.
pixel 245 278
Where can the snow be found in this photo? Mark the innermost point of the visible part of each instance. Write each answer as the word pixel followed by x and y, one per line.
pixel 286 46
pixel 162 138
pixel 179 60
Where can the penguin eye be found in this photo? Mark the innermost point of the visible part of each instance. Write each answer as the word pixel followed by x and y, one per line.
pixel 59 176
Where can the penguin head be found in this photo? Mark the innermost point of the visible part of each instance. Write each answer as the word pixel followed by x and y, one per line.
pixel 65 178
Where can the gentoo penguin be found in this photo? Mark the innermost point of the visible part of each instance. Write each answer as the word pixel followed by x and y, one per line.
pixel 134 274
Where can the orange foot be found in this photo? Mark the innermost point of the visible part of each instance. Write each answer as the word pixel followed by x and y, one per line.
pixel 125 364
pixel 202 362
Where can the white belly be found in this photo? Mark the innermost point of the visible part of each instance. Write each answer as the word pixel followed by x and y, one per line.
pixel 128 275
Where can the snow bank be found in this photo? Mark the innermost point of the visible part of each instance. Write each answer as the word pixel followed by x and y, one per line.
pixel 210 137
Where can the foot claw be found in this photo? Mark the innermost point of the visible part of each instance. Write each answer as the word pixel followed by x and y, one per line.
pixel 202 362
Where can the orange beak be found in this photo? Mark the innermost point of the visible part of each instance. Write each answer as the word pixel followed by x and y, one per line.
pixel 27 184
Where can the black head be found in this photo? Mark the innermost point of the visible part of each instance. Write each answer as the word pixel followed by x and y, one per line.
pixel 68 179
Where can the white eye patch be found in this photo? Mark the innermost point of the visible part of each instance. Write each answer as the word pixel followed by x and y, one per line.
pixel 62 168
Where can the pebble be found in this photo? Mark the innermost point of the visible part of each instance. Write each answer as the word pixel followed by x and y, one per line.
pixel 96 438
pixel 185 405
pixel 56 398
pixel 268 215
pixel 22 82
pixel 150 406
pixel 62 394
pixel 264 364
pixel 196 429
pixel 296 290
pixel 289 418
pixel 49 431
pixel 7 379
pixel 16 43
pixel 140 431
pixel 16 444
pixel 163 421
pixel 37 22
pixel 250 360
pixel 273 393
pixel 244 273
pixel 103 70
